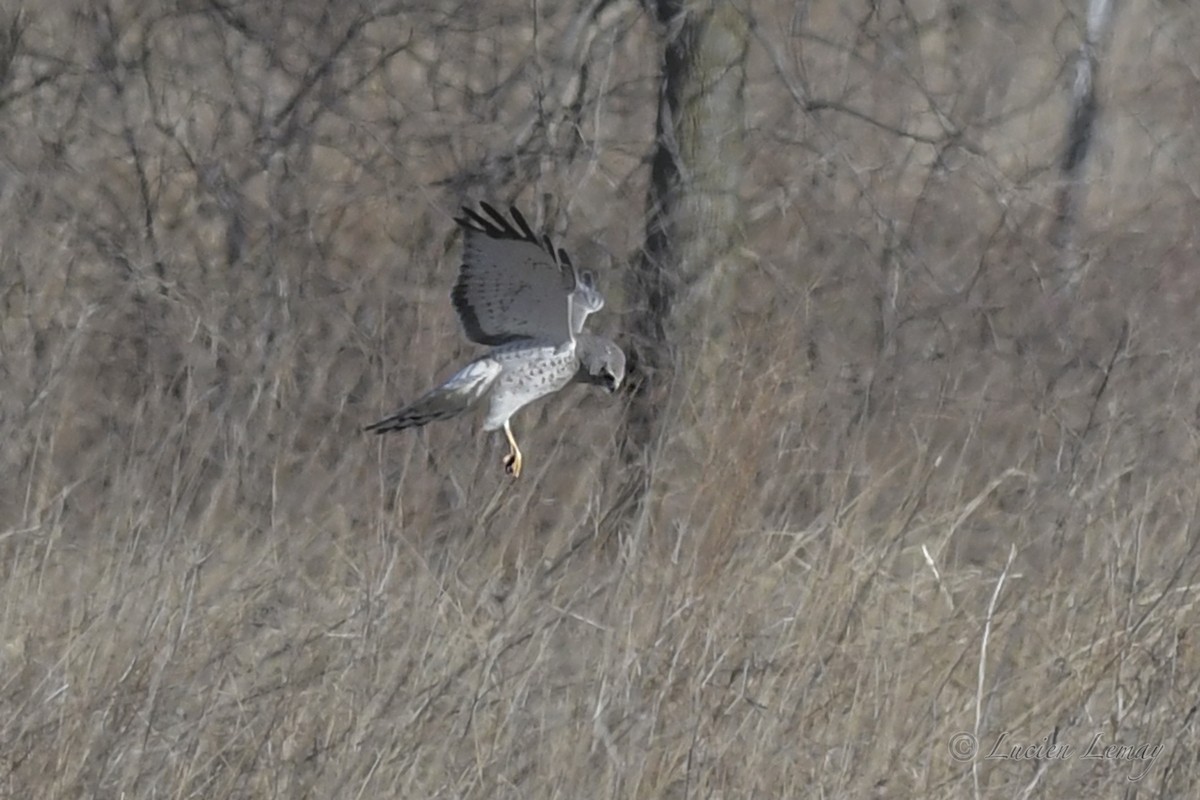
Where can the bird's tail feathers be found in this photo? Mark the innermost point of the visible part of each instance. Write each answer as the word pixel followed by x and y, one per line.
pixel 458 394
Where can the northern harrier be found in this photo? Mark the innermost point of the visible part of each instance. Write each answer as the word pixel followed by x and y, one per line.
pixel 524 298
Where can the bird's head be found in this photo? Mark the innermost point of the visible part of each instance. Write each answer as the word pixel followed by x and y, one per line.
pixel 600 361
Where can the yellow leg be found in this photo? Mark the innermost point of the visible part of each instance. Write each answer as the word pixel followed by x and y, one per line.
pixel 512 461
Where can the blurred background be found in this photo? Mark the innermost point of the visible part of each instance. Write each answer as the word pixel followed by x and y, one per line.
pixel 910 445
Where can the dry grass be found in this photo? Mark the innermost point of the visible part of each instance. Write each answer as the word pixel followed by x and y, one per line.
pixel 928 500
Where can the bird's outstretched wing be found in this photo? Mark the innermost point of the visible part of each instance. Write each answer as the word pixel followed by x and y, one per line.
pixel 513 285
pixel 463 390
pixel 585 300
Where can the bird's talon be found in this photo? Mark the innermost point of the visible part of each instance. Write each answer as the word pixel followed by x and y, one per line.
pixel 512 465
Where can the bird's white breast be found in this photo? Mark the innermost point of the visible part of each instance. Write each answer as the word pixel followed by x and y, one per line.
pixel 528 371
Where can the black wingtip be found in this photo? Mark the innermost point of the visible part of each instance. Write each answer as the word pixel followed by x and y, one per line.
pixel 522 224
pixel 498 226
pixel 499 218
pixel 472 221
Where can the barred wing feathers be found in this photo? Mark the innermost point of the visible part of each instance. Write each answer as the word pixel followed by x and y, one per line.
pixel 512 285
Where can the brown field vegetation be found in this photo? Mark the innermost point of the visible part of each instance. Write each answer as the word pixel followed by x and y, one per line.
pixel 941 487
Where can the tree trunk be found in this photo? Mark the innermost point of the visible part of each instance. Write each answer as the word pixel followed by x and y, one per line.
pixel 1080 130
pixel 681 289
